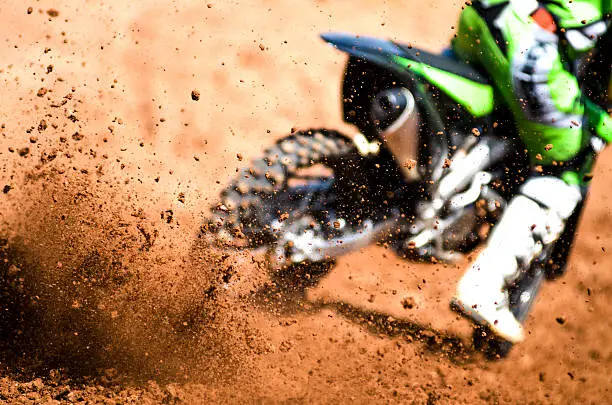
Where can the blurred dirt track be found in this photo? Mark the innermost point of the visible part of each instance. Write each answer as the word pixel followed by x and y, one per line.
pixel 109 167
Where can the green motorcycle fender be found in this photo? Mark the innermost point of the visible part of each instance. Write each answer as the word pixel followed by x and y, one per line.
pixel 477 98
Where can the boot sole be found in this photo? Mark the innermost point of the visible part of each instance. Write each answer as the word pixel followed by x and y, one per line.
pixel 469 313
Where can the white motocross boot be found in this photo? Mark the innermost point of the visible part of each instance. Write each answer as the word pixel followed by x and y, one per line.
pixel 533 219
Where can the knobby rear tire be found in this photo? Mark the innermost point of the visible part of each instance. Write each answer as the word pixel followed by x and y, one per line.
pixel 246 209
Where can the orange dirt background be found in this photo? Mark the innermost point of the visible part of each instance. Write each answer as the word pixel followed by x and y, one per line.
pixel 107 295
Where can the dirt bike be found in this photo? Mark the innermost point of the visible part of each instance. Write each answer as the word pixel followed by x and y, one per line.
pixel 434 163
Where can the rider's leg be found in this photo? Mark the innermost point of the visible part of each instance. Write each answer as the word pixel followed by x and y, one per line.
pixel 534 219
pixel 522 59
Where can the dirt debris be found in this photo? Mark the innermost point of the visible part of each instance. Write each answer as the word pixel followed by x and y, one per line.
pixel 101 306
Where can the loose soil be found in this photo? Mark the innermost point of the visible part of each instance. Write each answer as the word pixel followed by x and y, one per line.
pixel 120 124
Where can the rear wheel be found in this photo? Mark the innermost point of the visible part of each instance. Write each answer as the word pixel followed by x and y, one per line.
pixel 283 181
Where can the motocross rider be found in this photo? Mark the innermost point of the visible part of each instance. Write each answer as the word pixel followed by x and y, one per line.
pixel 532 51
